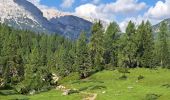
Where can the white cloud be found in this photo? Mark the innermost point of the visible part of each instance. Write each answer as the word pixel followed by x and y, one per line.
pixel 37 3
pixel 160 11
pixel 109 11
pixel 124 6
pixel 67 3
pixel 93 11
pixel 137 20
pixel 48 12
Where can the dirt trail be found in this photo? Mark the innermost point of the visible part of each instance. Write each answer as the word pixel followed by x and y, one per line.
pixel 91 96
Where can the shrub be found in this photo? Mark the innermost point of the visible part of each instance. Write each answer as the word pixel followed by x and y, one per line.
pixel 166 85
pixel 7 92
pixel 140 77
pixel 71 77
pixel 123 77
pixel 152 96
pixel 73 91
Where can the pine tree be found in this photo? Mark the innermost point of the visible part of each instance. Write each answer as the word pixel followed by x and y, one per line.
pixel 110 44
pixel 128 52
pixel 43 50
pixel 11 59
pixel 65 59
pixel 97 47
pixel 33 76
pixel 163 45
pixel 82 60
pixel 148 41
pixel 141 32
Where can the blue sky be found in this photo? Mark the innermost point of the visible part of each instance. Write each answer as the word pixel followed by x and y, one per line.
pixel 120 11
pixel 56 3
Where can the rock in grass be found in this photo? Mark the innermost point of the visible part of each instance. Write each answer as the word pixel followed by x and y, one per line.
pixel 130 87
pixel 66 92
pixel 60 87
pixel 32 92
pixel 70 91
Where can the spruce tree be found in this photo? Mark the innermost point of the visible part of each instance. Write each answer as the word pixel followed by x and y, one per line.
pixel 110 44
pixel 33 76
pixel 148 40
pixel 141 32
pixel 128 53
pixel 97 46
pixel 163 45
pixel 82 59
pixel 11 59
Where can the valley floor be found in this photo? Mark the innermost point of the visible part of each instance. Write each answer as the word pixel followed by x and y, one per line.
pixel 106 85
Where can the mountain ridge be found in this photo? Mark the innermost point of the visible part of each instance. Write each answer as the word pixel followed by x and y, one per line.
pixel 156 27
pixel 22 14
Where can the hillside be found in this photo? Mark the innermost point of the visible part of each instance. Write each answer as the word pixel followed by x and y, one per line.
pixel 108 86
pixel 156 27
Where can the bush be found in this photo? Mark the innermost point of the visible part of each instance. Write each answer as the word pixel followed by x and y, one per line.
pixel 73 91
pixel 71 77
pixel 123 70
pixel 7 92
pixel 109 67
pixel 22 89
pixel 123 77
pixel 6 87
pixel 140 77
pixel 166 85
pixel 152 96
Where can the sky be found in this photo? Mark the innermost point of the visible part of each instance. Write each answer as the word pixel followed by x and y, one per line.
pixel 120 11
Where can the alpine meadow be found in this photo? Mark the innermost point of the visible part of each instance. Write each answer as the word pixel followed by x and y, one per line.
pixel 84 50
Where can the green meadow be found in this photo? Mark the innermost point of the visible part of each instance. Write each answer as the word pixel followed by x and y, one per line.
pixel 140 84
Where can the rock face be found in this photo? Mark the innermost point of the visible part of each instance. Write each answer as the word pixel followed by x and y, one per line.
pixel 156 27
pixel 22 14
pixel 72 25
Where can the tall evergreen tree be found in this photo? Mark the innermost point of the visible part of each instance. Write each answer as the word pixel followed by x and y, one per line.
pixel 82 60
pixel 64 60
pixel 148 45
pixel 110 44
pixel 97 47
pixel 43 49
pixel 129 49
pixel 11 59
pixel 163 45
pixel 34 76
pixel 141 32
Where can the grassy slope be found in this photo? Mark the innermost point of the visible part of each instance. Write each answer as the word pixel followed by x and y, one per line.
pixel 50 95
pixel 115 89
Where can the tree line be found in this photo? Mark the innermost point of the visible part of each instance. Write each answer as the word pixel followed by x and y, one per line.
pixel 28 60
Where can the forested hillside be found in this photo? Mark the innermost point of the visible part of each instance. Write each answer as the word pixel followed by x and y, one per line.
pixel 28 61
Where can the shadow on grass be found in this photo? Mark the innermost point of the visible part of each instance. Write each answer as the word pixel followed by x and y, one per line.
pixel 20 98
pixel 152 97
pixel 86 81
pixel 12 92
pixel 92 87
pixel 7 92
pixel 166 85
